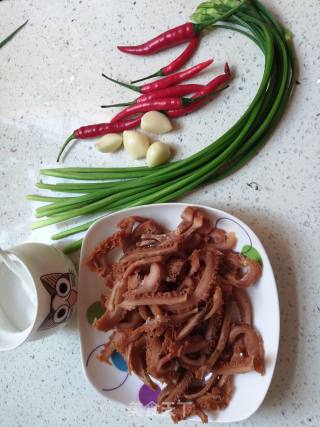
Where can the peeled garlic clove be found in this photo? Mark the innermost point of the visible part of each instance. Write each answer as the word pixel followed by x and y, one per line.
pixel 155 122
pixel 158 153
pixel 109 143
pixel 135 143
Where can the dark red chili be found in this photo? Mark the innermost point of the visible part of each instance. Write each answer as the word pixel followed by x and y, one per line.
pixel 177 63
pixel 154 104
pixel 175 78
pixel 169 38
pixel 214 84
pixel 165 82
pixel 171 91
pixel 203 94
pixel 182 58
pixel 100 129
pixel 93 131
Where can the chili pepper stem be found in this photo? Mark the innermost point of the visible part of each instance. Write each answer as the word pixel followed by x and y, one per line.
pixel 123 104
pixel 157 74
pixel 227 69
pixel 71 137
pixel 188 101
pixel 127 85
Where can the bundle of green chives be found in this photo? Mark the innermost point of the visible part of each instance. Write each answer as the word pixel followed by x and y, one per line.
pixel 119 188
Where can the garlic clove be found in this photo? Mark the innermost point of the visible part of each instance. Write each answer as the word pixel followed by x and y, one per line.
pixel 157 154
pixel 135 143
pixel 155 122
pixel 109 143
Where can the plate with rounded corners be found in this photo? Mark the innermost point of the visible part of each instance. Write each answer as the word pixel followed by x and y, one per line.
pixel 113 381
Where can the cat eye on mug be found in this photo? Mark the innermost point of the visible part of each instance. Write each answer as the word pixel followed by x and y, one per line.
pixel 38 293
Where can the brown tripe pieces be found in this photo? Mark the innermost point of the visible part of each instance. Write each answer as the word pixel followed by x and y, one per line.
pixel 171 306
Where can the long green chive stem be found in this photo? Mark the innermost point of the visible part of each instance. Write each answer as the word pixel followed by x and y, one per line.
pixel 37 198
pixel 93 176
pixel 74 230
pixel 90 170
pixel 67 141
pixel 73 247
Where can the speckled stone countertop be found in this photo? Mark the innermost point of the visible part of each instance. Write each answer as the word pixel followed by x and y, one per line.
pixel 50 84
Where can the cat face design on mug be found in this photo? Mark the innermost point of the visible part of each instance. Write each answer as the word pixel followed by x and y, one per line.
pixel 61 287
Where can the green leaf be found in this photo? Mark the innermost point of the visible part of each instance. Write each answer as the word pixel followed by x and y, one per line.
pixel 252 253
pixel 209 12
pixel 10 36
pixel 95 311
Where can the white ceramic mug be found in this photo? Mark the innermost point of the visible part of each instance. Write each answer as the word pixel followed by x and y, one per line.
pixel 37 293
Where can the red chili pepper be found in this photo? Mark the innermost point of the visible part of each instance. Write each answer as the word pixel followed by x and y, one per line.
pixel 154 104
pixel 177 63
pixel 214 84
pixel 179 90
pixel 100 129
pixel 169 38
pixel 203 94
pixel 93 131
pixel 165 82
pixel 171 91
